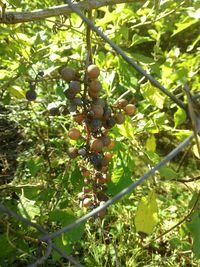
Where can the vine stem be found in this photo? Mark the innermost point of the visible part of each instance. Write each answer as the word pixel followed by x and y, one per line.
pixel 179 223
pixel 126 57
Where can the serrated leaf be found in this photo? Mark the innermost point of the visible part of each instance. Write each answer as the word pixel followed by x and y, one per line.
pixel 146 216
pixel 151 143
pixel 28 208
pixel 179 116
pixel 151 93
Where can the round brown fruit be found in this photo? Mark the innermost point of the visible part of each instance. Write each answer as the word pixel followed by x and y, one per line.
pixel 121 103
pixel 93 94
pixel 85 173
pixel 67 74
pixel 79 118
pixel 130 109
pixel 75 86
pixel 87 202
pixel 98 111
pixel 111 145
pixel 95 86
pixel 106 140
pixel 119 118
pixel 93 71
pixel 99 101
pixel 74 134
pixel 96 145
pixel 72 152
pixel 108 155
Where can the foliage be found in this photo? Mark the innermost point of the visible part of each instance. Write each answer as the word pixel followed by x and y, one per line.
pixel 162 36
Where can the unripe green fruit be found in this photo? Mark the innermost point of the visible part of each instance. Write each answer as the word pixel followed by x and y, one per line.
pixel 93 71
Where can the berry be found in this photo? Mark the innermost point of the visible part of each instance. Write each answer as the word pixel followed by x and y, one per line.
pixel 119 118
pixel 69 93
pixel 72 152
pixel 109 123
pixel 74 134
pixel 93 71
pixel 111 145
pixel 75 86
pixel 122 103
pixel 96 160
pixel 31 95
pixel 108 156
pixel 95 125
pixel 96 145
pixel 82 152
pixel 79 118
pixel 93 94
pixel 95 86
pixel 130 109
pixel 106 140
pixel 99 101
pixel 98 111
pixel 67 74
pixel 87 202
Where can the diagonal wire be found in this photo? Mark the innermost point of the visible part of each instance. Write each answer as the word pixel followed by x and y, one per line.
pixel 124 192
pixel 124 55
pixel 43 258
pixel 20 218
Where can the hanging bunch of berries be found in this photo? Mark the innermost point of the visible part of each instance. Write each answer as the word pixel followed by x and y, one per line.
pixel 93 118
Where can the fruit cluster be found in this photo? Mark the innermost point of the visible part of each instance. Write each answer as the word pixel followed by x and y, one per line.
pixel 93 113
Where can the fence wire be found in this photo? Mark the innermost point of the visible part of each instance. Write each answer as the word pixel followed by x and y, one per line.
pixel 48 237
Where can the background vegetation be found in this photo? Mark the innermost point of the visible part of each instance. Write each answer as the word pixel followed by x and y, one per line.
pixel 162 36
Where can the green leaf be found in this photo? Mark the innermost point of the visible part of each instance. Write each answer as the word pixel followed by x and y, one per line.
pixel 17 92
pixel 151 143
pixel 65 217
pixel 121 178
pixel 28 208
pixel 168 173
pixel 179 116
pixel 137 39
pixel 194 226
pixel 151 93
pixel 146 216
pixel 183 25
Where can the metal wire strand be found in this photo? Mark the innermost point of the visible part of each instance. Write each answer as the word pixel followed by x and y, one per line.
pixel 124 56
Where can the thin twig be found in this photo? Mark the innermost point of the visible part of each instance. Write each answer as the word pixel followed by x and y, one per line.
pixel 125 57
pixel 19 17
pixel 179 223
pixel 114 247
pixel 124 192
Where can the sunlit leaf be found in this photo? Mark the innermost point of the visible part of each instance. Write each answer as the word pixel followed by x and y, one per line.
pixel 179 116
pixel 153 95
pixel 151 143
pixel 146 216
